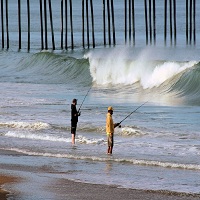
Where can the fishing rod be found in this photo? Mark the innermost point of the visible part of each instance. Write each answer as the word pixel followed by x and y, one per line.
pixel 84 98
pixel 132 112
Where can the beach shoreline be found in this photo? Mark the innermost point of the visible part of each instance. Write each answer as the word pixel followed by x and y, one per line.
pixel 3 194
pixel 77 190
pixel 80 190
pixel 62 188
pixel 5 179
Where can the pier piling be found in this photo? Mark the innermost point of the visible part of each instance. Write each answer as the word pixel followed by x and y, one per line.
pixel 83 23
pixel 7 29
pixel 61 28
pixel 110 31
pixel 104 22
pixel 51 22
pixel 154 21
pixel 45 24
pixel 92 19
pixel 19 23
pixel 41 26
pixel 146 20
pixel 28 16
pixel 113 22
pixel 87 19
pixel 2 24
pixel 108 13
pixel 66 25
pixel 125 20
pixel 71 24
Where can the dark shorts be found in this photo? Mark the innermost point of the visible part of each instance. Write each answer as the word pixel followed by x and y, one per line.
pixel 73 128
pixel 110 141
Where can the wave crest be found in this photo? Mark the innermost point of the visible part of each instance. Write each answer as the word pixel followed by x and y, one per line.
pixel 25 125
pixel 119 160
pixel 114 70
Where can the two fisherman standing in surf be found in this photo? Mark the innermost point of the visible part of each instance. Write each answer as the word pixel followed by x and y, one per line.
pixel 110 125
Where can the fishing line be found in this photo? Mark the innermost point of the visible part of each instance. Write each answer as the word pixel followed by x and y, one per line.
pixel 84 99
pixel 132 112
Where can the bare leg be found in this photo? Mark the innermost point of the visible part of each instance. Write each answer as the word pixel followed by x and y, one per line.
pixel 108 152
pixel 73 139
pixel 111 150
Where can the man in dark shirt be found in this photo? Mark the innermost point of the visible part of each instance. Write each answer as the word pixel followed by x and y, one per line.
pixel 74 119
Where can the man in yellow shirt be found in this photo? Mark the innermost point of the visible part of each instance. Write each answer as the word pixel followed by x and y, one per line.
pixel 110 129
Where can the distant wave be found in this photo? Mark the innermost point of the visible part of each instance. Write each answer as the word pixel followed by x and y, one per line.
pixel 118 70
pixel 131 131
pixel 119 160
pixel 25 125
pixel 106 69
pixel 147 76
pixel 126 131
pixel 46 67
pixel 177 78
pixel 33 136
pixel 54 68
pixel 140 74
pixel 180 78
pixel 27 130
pixel 53 138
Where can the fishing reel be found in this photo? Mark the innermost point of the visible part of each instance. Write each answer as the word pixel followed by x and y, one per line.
pixel 118 125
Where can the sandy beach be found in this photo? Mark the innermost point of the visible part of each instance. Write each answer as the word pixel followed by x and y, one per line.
pixel 52 186
pixel 5 180
pixel 76 190
pixel 66 189
pixel 150 79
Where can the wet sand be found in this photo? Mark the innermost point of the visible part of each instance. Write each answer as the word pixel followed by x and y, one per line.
pixel 76 190
pixel 70 190
pixel 3 194
pixel 61 188
pixel 5 180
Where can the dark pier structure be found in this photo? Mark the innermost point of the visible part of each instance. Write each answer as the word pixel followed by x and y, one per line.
pixel 87 17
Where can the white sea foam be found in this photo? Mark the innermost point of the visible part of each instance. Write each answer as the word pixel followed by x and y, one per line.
pixel 25 125
pixel 116 68
pixel 33 136
pixel 82 139
pixel 53 138
pixel 119 160
pixel 130 131
pixel 163 72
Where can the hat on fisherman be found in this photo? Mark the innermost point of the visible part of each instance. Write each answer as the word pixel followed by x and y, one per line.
pixel 110 108
pixel 74 100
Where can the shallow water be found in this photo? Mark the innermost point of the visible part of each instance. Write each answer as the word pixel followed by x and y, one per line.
pixel 158 145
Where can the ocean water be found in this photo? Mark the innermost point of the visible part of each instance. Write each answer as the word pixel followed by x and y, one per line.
pixel 157 147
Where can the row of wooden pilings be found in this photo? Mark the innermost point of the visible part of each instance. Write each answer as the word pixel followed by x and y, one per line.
pixel 171 4
pixel 109 31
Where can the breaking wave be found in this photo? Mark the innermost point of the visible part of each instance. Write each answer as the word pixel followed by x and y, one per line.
pixel 142 74
pixel 48 68
pixel 39 126
pixel 146 75
pixel 25 125
pixel 53 138
pixel 119 160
